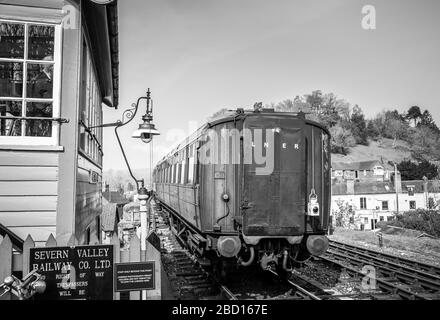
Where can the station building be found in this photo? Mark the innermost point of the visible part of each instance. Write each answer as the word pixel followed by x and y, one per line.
pixel 58 70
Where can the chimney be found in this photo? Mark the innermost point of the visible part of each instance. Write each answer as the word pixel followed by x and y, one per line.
pixel 350 186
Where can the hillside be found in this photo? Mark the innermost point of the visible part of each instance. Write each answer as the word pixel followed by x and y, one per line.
pixel 380 150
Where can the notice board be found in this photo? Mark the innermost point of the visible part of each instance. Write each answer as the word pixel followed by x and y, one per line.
pixel 133 276
pixel 81 272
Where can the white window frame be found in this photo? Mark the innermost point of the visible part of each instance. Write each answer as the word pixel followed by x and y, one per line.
pixel 56 90
pixel 363 202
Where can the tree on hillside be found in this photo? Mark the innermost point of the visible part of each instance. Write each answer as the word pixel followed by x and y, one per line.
pixel 358 125
pixel 287 105
pixel 396 129
pixel 426 120
pixel 395 114
pixel 372 131
pixel 414 114
pixel 341 139
pixel 218 114
pixel 315 100
pixel 329 114
pixel 300 104
pixel 425 142
pixel 416 171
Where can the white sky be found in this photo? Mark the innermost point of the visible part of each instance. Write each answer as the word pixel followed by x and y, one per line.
pixel 198 56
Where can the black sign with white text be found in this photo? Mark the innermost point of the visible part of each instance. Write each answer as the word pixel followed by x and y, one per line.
pixel 81 272
pixel 134 276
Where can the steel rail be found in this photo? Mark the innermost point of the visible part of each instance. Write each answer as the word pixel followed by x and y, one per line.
pixel 304 292
pixel 425 267
pixel 383 284
pixel 403 276
pixel 228 293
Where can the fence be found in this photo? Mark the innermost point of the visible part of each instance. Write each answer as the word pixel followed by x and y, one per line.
pixel 14 261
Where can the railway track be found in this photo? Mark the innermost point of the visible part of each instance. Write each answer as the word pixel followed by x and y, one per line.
pixel 187 277
pixel 191 279
pixel 394 275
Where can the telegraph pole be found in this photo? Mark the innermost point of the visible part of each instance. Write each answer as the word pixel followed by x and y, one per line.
pixel 395 187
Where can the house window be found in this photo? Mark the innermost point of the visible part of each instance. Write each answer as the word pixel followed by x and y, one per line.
pixel 365 220
pixel 29 82
pixel 363 203
pixel 381 218
pixel 412 205
pixel 357 174
pixel 90 139
pixel 384 205
pixel 389 218
pixel 410 190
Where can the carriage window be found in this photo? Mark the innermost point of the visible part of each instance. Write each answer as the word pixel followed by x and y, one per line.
pixel 178 167
pixel 182 175
pixel 28 82
pixel 191 164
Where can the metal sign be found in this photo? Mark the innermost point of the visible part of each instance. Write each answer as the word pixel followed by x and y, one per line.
pixel 135 276
pixel 81 272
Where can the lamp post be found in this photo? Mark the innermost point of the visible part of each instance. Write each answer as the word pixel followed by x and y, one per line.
pixel 145 132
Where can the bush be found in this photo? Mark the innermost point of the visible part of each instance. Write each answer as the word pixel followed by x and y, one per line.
pixel 427 221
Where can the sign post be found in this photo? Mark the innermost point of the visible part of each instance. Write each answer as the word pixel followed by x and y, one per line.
pixel 153 253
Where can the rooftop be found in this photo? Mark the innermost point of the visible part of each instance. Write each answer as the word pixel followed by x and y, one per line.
pixel 383 187
pixel 115 197
pixel 373 187
pixel 109 217
pixel 358 165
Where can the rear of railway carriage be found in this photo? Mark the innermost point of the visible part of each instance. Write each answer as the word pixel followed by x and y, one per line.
pixel 58 67
pixel 253 186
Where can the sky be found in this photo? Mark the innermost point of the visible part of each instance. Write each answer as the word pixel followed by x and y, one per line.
pixel 198 56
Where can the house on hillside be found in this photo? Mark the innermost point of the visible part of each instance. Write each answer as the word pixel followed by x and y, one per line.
pixel 372 201
pixel 373 170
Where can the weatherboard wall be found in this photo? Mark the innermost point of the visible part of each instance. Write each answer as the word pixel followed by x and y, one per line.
pixel 28 192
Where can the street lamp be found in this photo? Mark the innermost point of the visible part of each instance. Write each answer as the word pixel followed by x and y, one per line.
pixel 145 132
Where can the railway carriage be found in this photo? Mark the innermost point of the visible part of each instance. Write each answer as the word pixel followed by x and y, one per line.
pixel 252 187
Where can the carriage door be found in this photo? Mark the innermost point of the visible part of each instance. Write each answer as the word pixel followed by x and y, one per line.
pixel 273 198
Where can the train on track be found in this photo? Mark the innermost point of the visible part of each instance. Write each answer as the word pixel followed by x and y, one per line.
pixel 251 187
